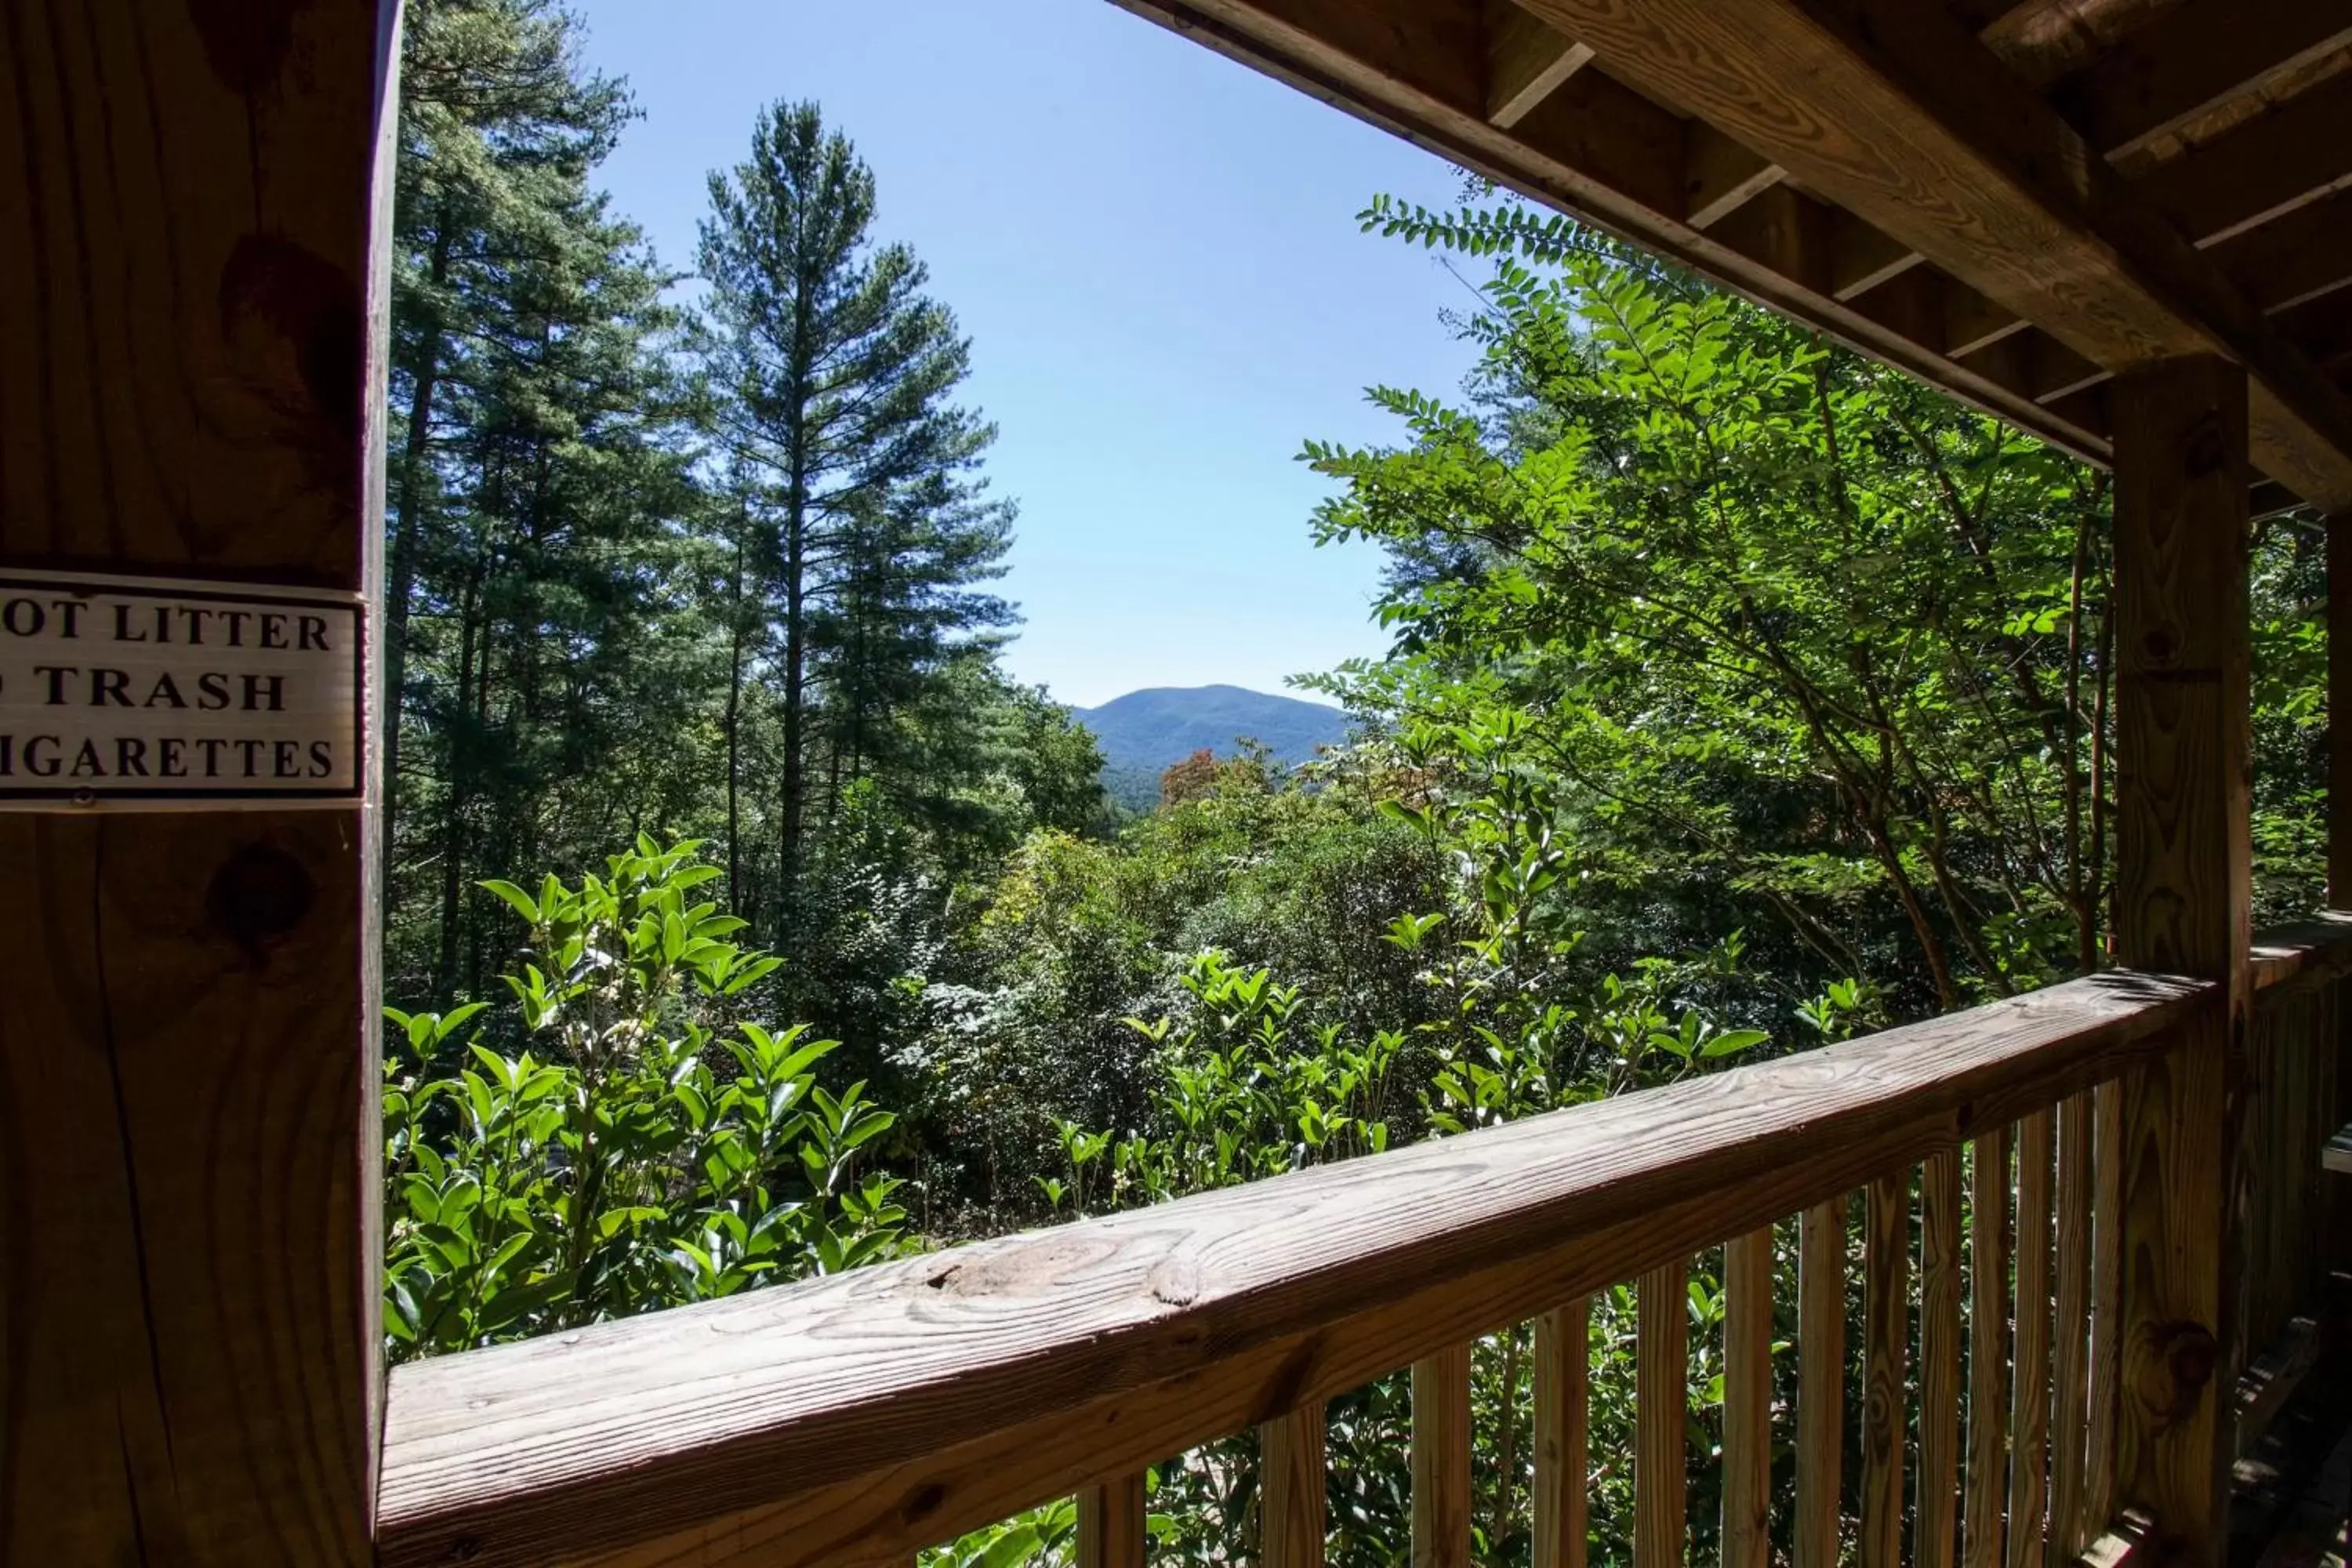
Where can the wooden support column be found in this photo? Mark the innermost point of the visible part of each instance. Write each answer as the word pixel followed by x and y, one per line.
pixel 2340 700
pixel 2182 906
pixel 191 333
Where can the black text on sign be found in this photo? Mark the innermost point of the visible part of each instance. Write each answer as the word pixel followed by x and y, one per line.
pixel 137 692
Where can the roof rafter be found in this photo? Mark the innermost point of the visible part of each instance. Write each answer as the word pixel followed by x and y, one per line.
pixel 1904 119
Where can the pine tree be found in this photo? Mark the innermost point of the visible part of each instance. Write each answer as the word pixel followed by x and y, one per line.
pixel 541 612
pixel 834 374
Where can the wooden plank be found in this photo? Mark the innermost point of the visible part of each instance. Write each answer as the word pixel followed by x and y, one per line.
pixel 1592 147
pixel 1291 1459
pixel 2271 1379
pixel 1912 125
pixel 191 380
pixel 1939 1507
pixel 2106 1303
pixel 1526 61
pixel 2340 700
pixel 1722 176
pixel 1988 1261
pixel 1563 1426
pixel 2313 950
pixel 2029 1405
pixel 1821 1380
pixel 2258 173
pixel 1885 1331
pixel 1748 1401
pixel 2183 887
pixel 1110 1523
pixel 1441 1460
pixel 1661 1416
pixel 2195 59
pixel 1073 1355
pixel 2336 1154
pixel 2297 258
pixel 2069 1527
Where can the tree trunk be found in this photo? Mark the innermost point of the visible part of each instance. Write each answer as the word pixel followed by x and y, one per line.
pixel 401 567
pixel 735 900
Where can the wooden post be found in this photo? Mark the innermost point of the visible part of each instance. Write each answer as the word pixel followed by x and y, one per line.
pixel 2339 694
pixel 2183 892
pixel 191 335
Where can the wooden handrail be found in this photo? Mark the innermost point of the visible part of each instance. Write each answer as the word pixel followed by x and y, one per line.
pixel 2311 949
pixel 852 1418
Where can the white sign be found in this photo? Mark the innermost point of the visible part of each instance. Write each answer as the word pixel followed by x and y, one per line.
pixel 140 692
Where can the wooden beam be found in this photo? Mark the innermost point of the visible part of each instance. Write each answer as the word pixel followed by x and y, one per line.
pixel 2183 886
pixel 2195 59
pixel 1916 128
pixel 913 1400
pixel 191 385
pixel 2305 254
pixel 1592 147
pixel 1722 176
pixel 2258 173
pixel 2339 705
pixel 1525 61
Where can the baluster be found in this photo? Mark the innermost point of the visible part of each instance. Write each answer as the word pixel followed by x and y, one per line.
pixel 1820 1380
pixel 2069 1529
pixel 2029 1411
pixel 1988 1349
pixel 1110 1524
pixel 1748 1401
pixel 1661 1414
pixel 1939 1359
pixel 1441 1460
pixel 1563 1434
pixel 2106 1305
pixel 1290 1496
pixel 1886 1328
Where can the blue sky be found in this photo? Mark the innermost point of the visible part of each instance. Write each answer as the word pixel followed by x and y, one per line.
pixel 1153 251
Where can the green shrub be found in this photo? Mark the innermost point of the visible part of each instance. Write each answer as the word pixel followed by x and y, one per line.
pixel 647 1145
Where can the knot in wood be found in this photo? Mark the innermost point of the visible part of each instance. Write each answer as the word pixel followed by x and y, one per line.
pixel 2179 1362
pixel 2160 644
pixel 258 894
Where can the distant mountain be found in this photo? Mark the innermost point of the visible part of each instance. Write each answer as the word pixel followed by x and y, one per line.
pixel 1144 731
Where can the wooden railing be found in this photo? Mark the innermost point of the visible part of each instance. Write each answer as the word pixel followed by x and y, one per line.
pixel 861 1417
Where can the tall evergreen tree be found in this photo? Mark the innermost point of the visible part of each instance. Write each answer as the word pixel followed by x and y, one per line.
pixel 540 610
pixel 866 527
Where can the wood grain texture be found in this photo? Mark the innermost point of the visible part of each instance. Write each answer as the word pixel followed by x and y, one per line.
pixel 1563 1427
pixel 2029 1403
pixel 2070 1528
pixel 1069 1356
pixel 2313 950
pixel 1987 1510
pixel 1748 1269
pixel 2259 173
pixel 188 387
pixel 1821 1385
pixel 1592 147
pixel 2106 1304
pixel 1291 1461
pixel 1886 1337
pixel 1937 1511
pixel 1526 61
pixel 1442 1441
pixel 1894 112
pixel 1110 1523
pixel 2194 58
pixel 2182 900
pixel 2339 702
pixel 1661 1416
